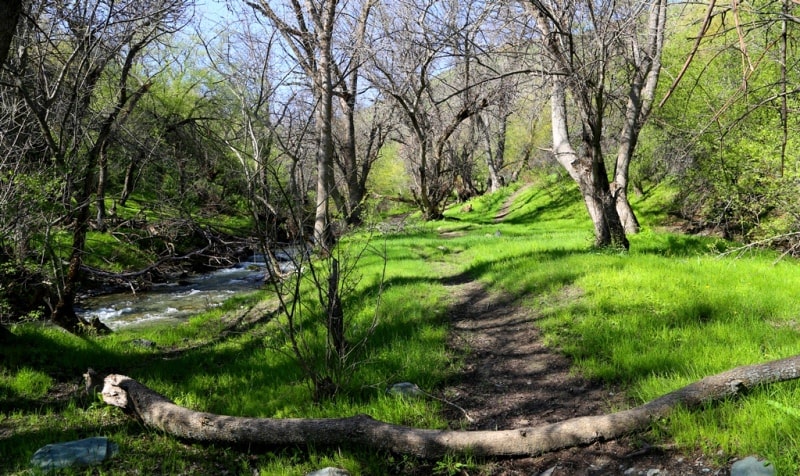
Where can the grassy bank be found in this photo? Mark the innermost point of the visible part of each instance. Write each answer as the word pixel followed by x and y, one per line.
pixel 668 312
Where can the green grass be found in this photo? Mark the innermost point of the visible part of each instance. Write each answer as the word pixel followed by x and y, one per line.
pixel 669 312
pixel 649 321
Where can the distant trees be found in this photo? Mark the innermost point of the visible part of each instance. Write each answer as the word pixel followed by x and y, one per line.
pixel 419 61
pixel 289 110
pixel 328 46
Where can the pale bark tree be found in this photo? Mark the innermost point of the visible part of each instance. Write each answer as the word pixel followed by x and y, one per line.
pixel 360 136
pixel 586 43
pixel 308 30
pixel 643 60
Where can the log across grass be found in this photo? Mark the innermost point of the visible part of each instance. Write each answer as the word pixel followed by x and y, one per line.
pixel 158 412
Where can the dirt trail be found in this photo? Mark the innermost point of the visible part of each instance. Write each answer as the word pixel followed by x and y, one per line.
pixel 506 208
pixel 510 379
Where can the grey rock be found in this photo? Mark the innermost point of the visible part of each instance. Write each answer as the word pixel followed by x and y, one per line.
pixel 405 389
pixel 74 453
pixel 751 466
pixel 548 472
pixel 147 344
pixel 329 471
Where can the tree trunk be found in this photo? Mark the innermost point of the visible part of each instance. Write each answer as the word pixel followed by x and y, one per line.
pixel 324 129
pixel 322 232
pixel 640 101
pixel 8 26
pixel 130 180
pixel 157 412
pixel 335 313
pixel 64 311
pixel 349 165
pixel 590 174
pixel 429 208
pixel 495 156
pixel 625 211
pixel 100 193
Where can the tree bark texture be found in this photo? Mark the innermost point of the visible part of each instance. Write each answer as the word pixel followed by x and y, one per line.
pixel 588 171
pixel 8 25
pixel 647 62
pixel 157 412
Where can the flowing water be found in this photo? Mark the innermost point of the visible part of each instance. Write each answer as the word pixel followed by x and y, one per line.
pixel 176 302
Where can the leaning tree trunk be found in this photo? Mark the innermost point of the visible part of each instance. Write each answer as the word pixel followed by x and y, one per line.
pixel 640 100
pixel 157 412
pixel 100 192
pixel 64 311
pixel 589 173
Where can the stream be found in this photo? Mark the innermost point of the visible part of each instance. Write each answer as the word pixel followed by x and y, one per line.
pixel 176 302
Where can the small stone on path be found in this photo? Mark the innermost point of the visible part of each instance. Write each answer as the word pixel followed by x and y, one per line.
pixel 329 471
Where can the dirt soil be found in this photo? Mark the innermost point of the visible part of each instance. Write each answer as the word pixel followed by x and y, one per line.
pixel 510 379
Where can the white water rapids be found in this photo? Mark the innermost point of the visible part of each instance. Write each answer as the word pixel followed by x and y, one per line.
pixel 175 302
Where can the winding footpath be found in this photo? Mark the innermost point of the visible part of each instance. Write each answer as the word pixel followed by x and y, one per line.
pixel 510 379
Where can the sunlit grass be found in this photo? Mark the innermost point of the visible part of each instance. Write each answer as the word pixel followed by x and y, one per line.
pixel 669 312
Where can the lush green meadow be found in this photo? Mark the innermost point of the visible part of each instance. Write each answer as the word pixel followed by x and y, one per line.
pixel 670 311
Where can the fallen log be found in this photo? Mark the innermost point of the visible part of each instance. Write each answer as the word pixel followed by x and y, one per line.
pixel 156 411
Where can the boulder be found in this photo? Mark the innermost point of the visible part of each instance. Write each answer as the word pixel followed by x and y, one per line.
pixel 74 453
pixel 751 466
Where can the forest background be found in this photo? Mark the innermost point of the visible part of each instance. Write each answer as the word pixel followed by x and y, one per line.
pixel 138 146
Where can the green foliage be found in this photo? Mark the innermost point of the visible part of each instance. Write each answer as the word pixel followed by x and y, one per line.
pixel 719 135
pixel 388 176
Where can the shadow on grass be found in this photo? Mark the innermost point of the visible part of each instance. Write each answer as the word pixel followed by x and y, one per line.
pixel 671 244
pixel 532 207
pixel 18 446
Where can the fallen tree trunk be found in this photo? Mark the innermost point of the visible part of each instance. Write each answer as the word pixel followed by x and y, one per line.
pixel 156 411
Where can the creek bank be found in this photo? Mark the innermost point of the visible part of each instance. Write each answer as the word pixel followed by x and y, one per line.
pixel 173 301
pixel 186 294
pixel 29 295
